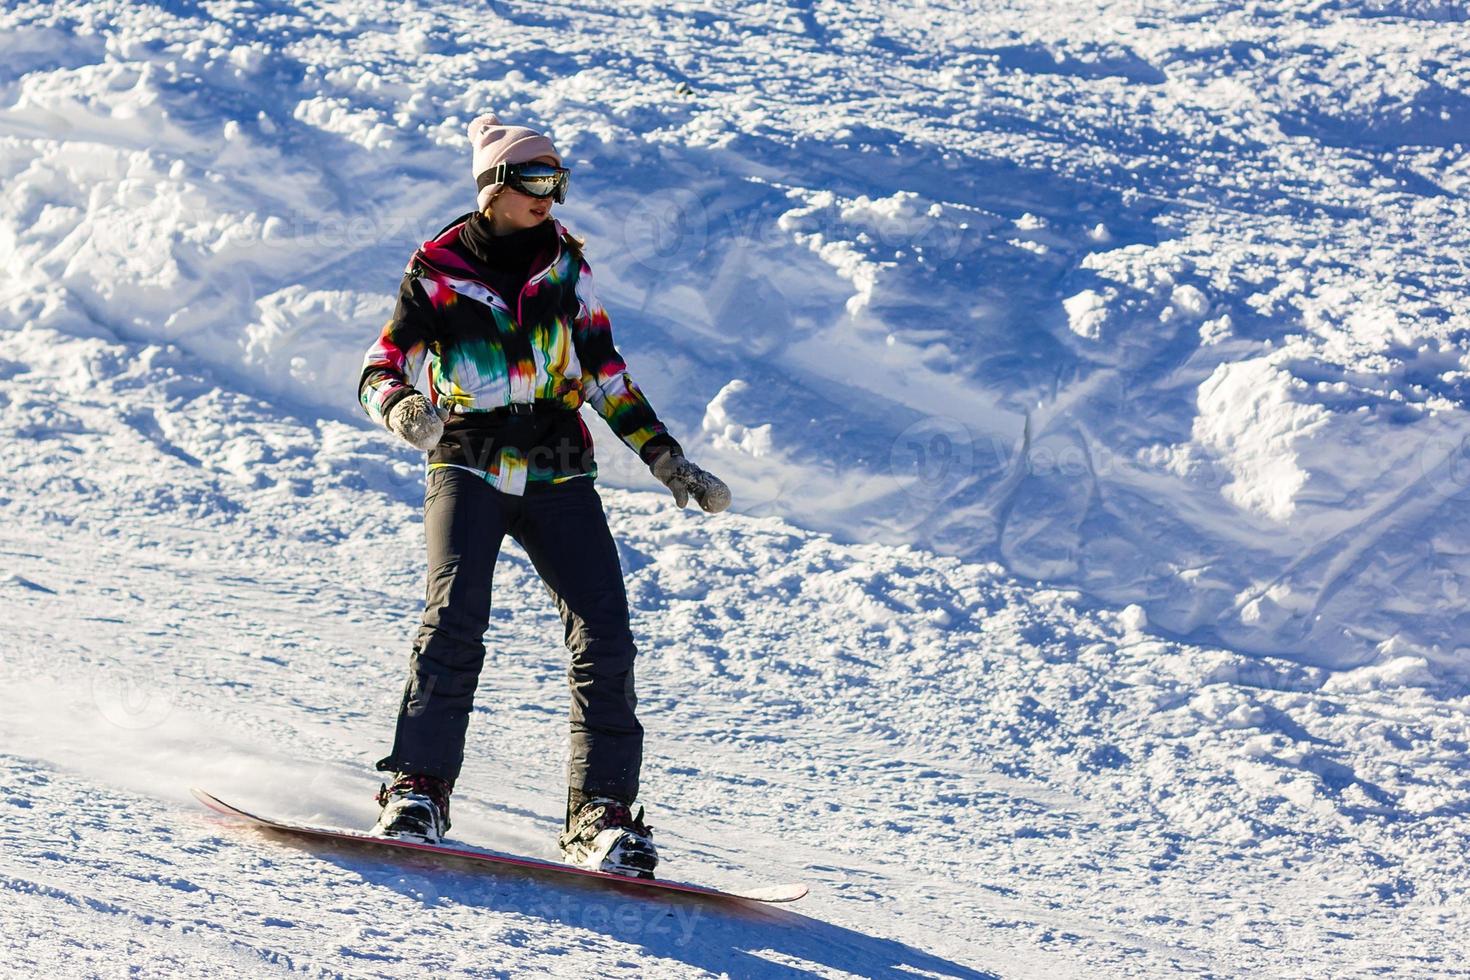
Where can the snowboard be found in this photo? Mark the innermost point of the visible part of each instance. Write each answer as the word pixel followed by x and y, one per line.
pixel 479 855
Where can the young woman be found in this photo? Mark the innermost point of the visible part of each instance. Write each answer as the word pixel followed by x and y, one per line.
pixel 500 303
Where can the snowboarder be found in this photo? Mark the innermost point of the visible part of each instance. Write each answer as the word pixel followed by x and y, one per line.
pixel 501 304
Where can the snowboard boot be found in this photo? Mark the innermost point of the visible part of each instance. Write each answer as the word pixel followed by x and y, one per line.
pixel 415 807
pixel 603 835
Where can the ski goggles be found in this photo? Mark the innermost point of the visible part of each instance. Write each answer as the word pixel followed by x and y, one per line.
pixel 533 179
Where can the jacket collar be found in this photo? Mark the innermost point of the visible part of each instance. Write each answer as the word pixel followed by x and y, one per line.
pixel 439 254
pixel 449 266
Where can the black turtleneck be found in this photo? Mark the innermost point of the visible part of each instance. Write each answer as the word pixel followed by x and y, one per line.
pixel 506 260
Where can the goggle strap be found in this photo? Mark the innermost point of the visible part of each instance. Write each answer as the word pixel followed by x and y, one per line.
pixel 495 175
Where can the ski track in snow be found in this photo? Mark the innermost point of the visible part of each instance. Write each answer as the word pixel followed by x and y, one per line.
pixel 1093 612
pixel 972 774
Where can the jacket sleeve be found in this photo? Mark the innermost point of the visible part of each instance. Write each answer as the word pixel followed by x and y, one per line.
pixel 606 384
pixel 393 362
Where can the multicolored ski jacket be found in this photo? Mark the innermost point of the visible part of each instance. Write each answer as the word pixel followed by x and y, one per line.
pixel 512 371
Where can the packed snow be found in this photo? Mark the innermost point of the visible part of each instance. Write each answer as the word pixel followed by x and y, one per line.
pixel 1089 380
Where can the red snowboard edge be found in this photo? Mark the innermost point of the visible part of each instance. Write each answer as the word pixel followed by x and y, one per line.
pixel 770 894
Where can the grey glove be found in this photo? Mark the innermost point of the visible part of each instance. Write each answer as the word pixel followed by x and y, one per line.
pixel 686 480
pixel 416 422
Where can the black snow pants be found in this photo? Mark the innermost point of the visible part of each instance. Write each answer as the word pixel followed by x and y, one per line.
pixel 564 531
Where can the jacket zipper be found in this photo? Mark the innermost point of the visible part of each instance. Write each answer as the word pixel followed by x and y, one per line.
pixel 520 296
pixel 556 257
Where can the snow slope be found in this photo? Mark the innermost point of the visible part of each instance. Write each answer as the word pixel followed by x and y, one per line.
pixel 1089 382
pixel 1164 304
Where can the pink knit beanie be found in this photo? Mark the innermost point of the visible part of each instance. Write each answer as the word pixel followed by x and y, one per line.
pixel 494 142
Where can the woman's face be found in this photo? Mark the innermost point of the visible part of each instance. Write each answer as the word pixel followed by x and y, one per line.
pixel 515 211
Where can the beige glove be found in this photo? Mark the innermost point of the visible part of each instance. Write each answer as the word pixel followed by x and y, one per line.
pixel 416 422
pixel 686 480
